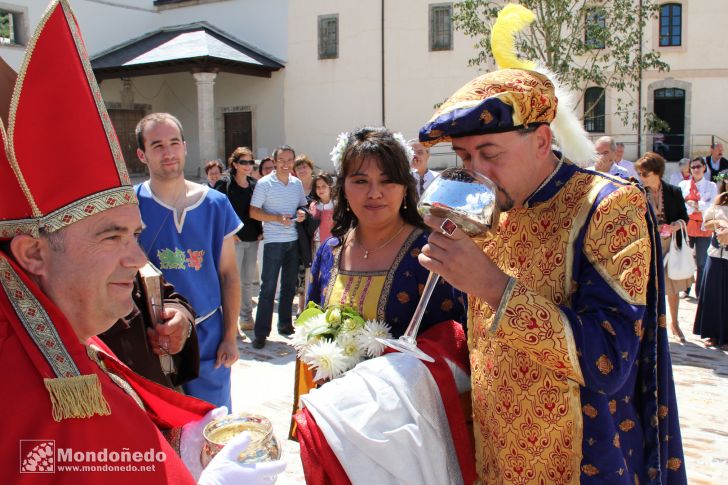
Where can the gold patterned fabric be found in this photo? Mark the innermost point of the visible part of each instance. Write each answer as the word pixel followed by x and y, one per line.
pixel 555 367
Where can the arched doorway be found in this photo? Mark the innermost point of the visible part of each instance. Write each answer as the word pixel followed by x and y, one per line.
pixel 669 106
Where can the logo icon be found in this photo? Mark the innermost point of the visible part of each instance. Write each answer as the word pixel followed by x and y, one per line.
pixel 37 456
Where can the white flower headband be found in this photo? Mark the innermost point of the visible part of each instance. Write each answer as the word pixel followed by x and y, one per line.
pixel 343 140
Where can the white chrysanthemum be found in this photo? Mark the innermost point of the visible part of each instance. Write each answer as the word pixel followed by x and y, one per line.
pixel 367 338
pixel 302 338
pixel 349 344
pixel 405 146
pixel 327 358
pixel 338 151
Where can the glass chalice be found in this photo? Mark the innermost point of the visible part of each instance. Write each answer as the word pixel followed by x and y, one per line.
pixel 465 199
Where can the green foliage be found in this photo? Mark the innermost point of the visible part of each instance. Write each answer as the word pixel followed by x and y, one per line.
pixel 6 34
pixel 566 36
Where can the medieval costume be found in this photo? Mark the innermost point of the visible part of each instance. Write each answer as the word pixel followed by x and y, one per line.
pixel 390 296
pixel 571 374
pixel 187 250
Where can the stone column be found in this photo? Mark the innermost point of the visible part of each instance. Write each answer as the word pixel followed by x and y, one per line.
pixel 206 117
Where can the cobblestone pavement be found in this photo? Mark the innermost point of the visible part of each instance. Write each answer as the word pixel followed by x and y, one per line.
pixel 263 383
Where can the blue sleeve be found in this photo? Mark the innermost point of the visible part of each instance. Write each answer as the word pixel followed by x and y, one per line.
pixel 259 194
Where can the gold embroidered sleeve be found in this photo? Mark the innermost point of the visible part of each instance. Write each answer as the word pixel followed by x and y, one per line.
pixel 534 324
pixel 617 243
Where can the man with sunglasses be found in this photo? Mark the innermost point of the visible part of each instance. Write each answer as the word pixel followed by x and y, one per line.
pixel 239 189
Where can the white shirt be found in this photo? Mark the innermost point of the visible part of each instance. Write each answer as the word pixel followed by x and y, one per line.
pixel 629 166
pixel 428 178
pixel 616 170
pixel 708 192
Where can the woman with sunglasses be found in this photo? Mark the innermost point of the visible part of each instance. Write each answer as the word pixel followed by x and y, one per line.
pixel 669 206
pixel 699 193
pixel 239 190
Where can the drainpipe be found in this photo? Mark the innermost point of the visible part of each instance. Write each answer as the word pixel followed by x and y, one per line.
pixel 384 117
pixel 639 91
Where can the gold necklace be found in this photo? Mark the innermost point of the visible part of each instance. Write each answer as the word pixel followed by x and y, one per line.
pixel 367 251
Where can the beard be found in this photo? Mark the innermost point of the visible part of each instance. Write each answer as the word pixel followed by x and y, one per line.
pixel 504 200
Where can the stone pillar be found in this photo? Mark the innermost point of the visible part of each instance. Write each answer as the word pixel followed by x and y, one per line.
pixel 206 117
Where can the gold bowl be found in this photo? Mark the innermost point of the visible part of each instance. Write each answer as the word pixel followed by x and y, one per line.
pixel 263 444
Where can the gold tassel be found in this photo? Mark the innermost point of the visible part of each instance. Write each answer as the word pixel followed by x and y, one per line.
pixel 76 397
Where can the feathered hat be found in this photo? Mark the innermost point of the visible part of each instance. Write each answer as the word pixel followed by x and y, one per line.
pixel 518 95
pixel 61 160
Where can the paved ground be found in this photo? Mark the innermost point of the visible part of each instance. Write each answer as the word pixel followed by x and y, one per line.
pixel 263 383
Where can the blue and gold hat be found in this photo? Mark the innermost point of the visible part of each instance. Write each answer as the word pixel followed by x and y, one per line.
pixel 496 102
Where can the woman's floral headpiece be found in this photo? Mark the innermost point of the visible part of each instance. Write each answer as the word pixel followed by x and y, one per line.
pixel 342 141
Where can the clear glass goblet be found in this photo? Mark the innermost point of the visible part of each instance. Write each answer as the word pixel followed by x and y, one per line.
pixel 467 199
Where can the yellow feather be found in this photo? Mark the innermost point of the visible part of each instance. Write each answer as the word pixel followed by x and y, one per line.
pixel 511 19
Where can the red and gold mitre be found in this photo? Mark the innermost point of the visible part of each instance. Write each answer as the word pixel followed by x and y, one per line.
pixel 61 160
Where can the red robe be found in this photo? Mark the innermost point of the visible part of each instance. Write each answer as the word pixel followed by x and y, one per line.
pixel 120 440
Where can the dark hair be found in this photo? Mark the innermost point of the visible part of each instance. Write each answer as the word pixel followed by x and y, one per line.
pixel 155 118
pixel 651 162
pixel 328 180
pixel 377 142
pixel 283 148
pixel 236 155
pixel 701 160
pixel 303 160
pixel 260 167
pixel 212 164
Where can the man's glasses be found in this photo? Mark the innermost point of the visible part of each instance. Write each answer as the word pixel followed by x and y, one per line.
pixel 643 174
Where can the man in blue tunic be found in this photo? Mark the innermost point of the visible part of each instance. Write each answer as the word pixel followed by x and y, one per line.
pixel 188 234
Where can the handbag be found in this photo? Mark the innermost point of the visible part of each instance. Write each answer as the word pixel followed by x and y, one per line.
pixel 679 262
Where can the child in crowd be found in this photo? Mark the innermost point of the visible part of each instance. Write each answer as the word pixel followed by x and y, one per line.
pixel 322 208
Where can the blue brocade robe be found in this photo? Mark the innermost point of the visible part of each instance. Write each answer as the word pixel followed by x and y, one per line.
pixel 572 380
pixel 402 287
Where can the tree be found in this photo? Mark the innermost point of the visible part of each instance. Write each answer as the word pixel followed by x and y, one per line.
pixel 583 42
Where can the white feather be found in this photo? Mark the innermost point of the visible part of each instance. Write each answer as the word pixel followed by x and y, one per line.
pixel 571 137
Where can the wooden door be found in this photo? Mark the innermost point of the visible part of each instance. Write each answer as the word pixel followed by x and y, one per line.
pixel 238 131
pixel 124 121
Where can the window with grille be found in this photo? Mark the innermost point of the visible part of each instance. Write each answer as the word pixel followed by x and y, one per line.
pixel 670 25
pixel 595 31
pixel 594 110
pixel 328 36
pixel 441 27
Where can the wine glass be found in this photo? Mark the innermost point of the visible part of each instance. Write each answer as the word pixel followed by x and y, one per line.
pixel 467 199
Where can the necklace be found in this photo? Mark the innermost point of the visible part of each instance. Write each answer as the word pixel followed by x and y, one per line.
pixel 367 251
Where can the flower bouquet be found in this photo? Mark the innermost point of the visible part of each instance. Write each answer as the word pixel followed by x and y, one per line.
pixel 333 340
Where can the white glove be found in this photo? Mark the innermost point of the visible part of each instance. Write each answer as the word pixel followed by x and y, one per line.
pixel 191 441
pixel 226 469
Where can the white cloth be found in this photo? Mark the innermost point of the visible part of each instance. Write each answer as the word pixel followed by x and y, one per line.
pixel 386 423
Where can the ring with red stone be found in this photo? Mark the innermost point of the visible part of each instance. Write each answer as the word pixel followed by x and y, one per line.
pixel 448 227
